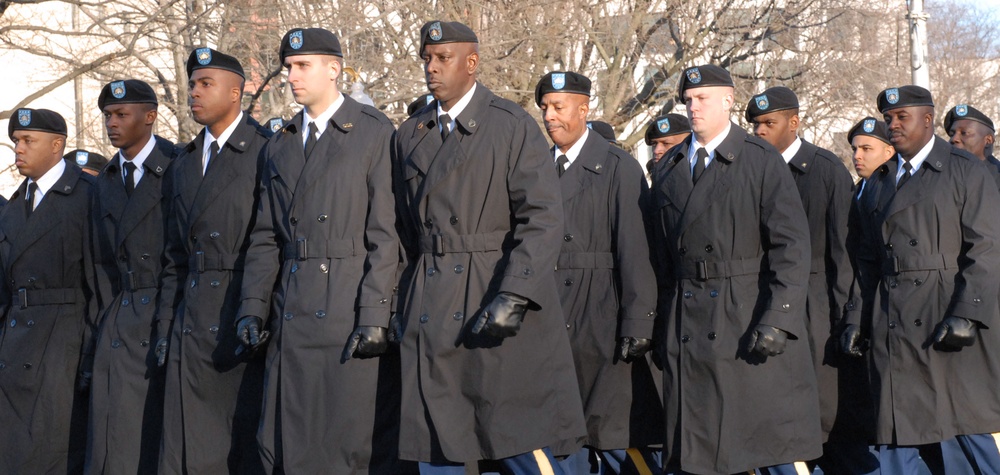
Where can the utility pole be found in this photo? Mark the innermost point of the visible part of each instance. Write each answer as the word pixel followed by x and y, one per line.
pixel 78 88
pixel 918 43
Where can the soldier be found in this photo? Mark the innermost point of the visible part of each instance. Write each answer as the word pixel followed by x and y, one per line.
pixel 486 363
pixel 733 247
pixel 320 274
pixel 213 393
pixel 90 162
pixel 825 186
pixel 972 131
pixel 869 140
pixel 48 302
pixel 605 281
pixel 663 133
pixel 932 234
pixel 132 200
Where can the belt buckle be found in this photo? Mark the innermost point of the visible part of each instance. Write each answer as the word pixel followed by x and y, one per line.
pixel 22 295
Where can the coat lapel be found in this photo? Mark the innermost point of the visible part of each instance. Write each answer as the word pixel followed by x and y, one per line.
pixel 221 173
pixel 450 155
pixel 328 149
pixel 112 192
pixel 922 182
pixel 147 195
pixel 590 162
pixel 802 162
pixel 714 182
pixel 46 215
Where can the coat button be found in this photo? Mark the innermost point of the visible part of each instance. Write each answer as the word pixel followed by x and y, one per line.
pixel 888 246
pixel 322 218
pixel 917 282
pixel 453 220
pixel 30 323
pixel 682 251
pixel 785 306
pixel 144 300
pixel 214 235
pixel 193 283
pixel 688 294
pixel 459 269
pixel 144 343
pixel 429 222
pixel 187 330
pixel 568 237
pixel 431 271
pixel 526 271
pixel 215 283
pixel 892 324
pixel 27 366
pixel 288 316
pixel 918 322
pixel 913 242
pixel 711 335
pixel 976 300
pixel 568 282
pixel 709 248
pixel 424 318
pixel 567 326
pixel 3 365
pixel 458 316
pixel 116 343
pixel 13 323
pixel 850 305
pixel 295 268
pixel 324 268
pixel 893 284
pixel 124 302
pixel 713 294
pixel 685 339
pixel 214 329
pixel 144 257
pixel 294 220
pixel 320 314
pixel 383 300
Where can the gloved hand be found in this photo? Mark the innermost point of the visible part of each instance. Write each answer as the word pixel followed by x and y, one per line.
pixel 366 342
pixel 160 351
pixel 851 341
pixel 631 348
pixel 395 329
pixel 955 333
pixel 248 331
pixel 766 340
pixel 502 317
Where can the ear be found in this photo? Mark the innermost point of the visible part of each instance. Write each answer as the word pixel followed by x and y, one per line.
pixel 335 69
pixel 584 109
pixel 58 144
pixel 989 139
pixel 793 122
pixel 472 62
pixel 727 102
pixel 150 117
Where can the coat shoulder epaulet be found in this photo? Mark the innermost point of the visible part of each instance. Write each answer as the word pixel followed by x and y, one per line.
pixel 509 107
pixel 375 114
pixel 829 156
pixel 759 143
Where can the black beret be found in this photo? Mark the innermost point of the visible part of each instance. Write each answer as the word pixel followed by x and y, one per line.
pixel 706 75
pixel 667 125
pixel 871 127
pixel 85 159
pixel 275 124
pixel 603 129
pixel 904 96
pixel 966 112
pixel 562 81
pixel 309 41
pixel 203 58
pixel 129 91
pixel 419 103
pixel 778 98
pixel 42 120
pixel 441 32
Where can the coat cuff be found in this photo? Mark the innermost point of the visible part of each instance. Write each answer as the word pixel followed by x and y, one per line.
pixel 252 307
pixel 639 326
pixel 785 317
pixel 971 309
pixel 374 316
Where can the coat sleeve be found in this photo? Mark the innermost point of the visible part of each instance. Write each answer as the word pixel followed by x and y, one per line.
pixel 977 281
pixel 631 249
pixel 785 238
pixel 263 257
pixel 91 283
pixel 381 239
pixel 174 262
pixel 536 209
pixel 839 272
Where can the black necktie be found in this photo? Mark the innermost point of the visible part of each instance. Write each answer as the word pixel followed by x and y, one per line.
pixel 445 121
pixel 29 201
pixel 699 165
pixel 213 152
pixel 129 178
pixel 561 163
pixel 906 175
pixel 311 139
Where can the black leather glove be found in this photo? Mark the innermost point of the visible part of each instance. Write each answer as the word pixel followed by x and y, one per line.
pixel 955 333
pixel 502 317
pixel 851 341
pixel 248 331
pixel 366 342
pixel 631 348
pixel 160 351
pixel 395 329
pixel 766 340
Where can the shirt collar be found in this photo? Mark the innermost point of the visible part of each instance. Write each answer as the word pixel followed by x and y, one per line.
pixel 792 149
pixel 324 117
pixel 917 159
pixel 139 157
pixel 223 137
pixel 459 106
pixel 574 150
pixel 709 147
pixel 49 179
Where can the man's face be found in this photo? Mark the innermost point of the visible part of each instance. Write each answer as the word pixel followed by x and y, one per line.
pixel 128 124
pixel 869 154
pixel 311 76
pixel 708 109
pixel 36 152
pixel 449 70
pixel 212 94
pixel 565 117
pixel 777 128
pixel 971 136
pixel 662 144
pixel 910 128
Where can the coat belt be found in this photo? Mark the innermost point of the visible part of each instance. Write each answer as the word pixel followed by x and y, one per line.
pixel 134 281
pixel 202 261
pixel 441 244
pixel 304 248
pixel 585 260
pixel 704 270
pixel 893 265
pixel 33 297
